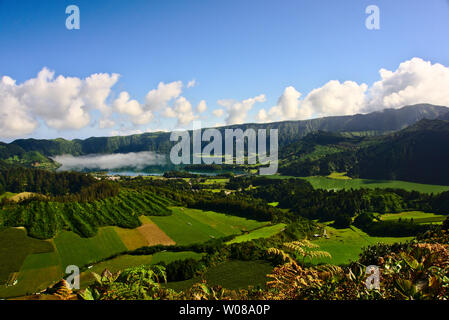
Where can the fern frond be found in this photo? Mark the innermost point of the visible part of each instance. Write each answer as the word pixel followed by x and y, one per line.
pixel 278 252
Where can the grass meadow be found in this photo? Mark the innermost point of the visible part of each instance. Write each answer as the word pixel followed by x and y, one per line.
pixel 417 216
pixel 345 245
pixel 264 232
pixel 337 181
pixel 187 226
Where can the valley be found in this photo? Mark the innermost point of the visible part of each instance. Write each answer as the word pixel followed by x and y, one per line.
pixel 220 226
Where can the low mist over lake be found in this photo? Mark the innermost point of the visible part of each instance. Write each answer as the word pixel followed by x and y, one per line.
pixel 136 160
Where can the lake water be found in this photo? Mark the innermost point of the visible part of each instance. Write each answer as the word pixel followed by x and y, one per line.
pixel 137 173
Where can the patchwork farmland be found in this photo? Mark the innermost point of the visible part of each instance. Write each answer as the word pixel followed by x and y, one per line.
pixel 34 264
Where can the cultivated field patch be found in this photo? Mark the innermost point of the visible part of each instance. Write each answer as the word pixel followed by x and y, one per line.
pixel 337 184
pixel 131 238
pixel 153 235
pixel 32 281
pixel 417 216
pixel 224 223
pixel 15 247
pixel 184 229
pixel 75 250
pixel 345 245
pixel 265 232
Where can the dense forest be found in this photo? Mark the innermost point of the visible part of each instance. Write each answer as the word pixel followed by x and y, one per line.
pixel 413 154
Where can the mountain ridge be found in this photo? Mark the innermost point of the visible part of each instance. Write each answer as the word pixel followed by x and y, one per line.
pixel 374 123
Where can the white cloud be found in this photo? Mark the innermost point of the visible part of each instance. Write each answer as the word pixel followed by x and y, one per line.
pixel 181 110
pixel 132 108
pixel 191 83
pixel 124 105
pixel 262 116
pixel 61 102
pixel 414 81
pixel 238 110
pixel 201 107
pixel 157 99
pixel 14 117
pixel 287 107
pixel 334 98
pixel 157 102
pixel 106 123
pixel 218 112
pixel 96 89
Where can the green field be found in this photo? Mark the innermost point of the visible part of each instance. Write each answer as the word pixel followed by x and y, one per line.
pixel 78 251
pixel 339 175
pixel 337 181
pixel 15 247
pixel 417 216
pixel 345 245
pixel 36 264
pixel 264 232
pixel 7 195
pixel 187 226
pixel 331 183
pixel 233 274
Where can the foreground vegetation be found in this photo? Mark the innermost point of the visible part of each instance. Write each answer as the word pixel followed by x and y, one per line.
pixel 198 233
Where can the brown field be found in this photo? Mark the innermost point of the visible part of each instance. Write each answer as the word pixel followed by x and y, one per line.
pixel 154 235
pixel 131 238
pixel 149 234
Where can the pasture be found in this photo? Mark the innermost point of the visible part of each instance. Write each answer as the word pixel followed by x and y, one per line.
pixel 340 183
pixel 36 264
pixel 345 245
pixel 75 250
pixel 417 216
pixel 265 232
pixel 187 226
pixel 15 247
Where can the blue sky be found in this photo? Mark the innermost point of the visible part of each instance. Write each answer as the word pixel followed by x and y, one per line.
pixel 232 49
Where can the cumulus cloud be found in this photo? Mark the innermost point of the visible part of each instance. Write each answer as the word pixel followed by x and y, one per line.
pixel 137 160
pixel 64 103
pixel 157 101
pixel 218 112
pixel 106 123
pixel 14 117
pixel 61 102
pixel 159 98
pixel 414 81
pixel 287 107
pixel 236 111
pixel 124 105
pixel 334 98
pixel 201 107
pixel 181 110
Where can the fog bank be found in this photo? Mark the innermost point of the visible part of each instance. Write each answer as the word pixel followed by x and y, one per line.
pixel 136 160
